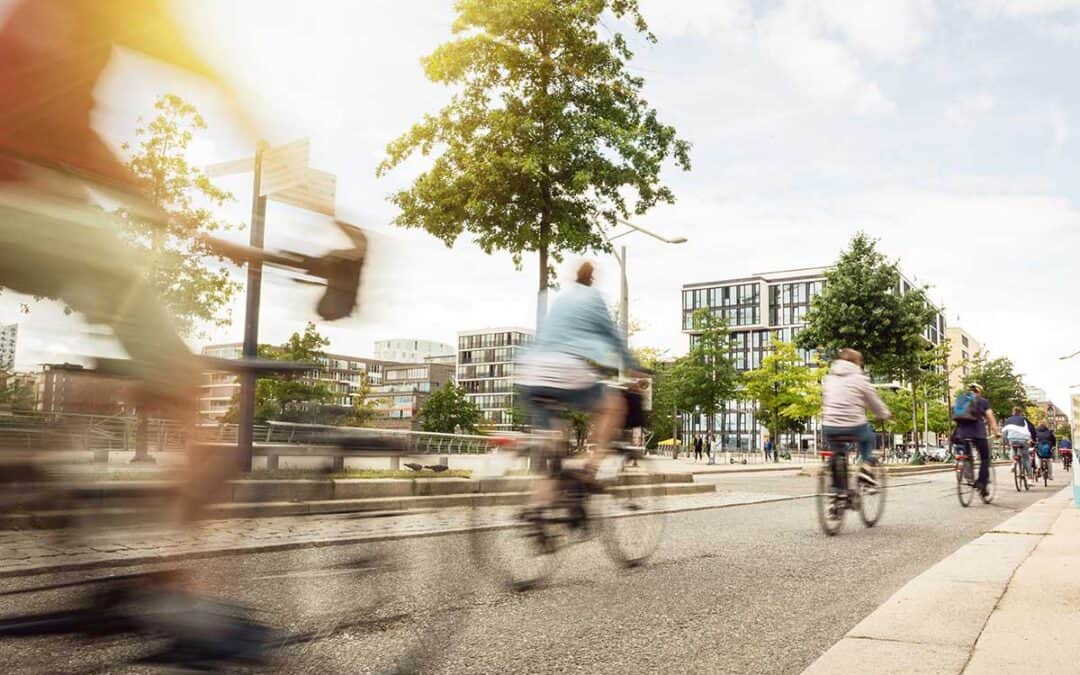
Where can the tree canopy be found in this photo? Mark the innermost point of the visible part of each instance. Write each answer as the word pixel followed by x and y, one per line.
pixel 448 410
pixel 705 378
pixel 193 283
pixel 861 307
pixel 787 391
pixel 547 136
pixel 1001 385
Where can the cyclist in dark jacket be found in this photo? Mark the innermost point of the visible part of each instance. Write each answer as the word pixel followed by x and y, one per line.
pixel 1045 442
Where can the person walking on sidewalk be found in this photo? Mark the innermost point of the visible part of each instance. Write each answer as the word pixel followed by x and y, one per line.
pixel 697 448
pixel 711 449
pixel 846 395
pixel 769 448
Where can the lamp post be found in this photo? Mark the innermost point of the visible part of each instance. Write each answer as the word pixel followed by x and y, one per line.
pixel 624 295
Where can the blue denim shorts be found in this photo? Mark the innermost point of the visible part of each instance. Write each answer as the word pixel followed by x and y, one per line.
pixel 577 400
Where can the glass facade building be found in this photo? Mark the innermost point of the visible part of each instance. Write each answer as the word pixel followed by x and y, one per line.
pixel 760 311
pixel 485 369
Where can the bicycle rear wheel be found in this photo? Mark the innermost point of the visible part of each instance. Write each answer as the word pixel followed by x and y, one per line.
pixel 965 488
pixel 872 497
pixel 830 508
pixel 631 511
pixel 1017 475
pixel 1046 473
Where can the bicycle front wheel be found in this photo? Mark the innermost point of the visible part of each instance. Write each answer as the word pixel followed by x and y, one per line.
pixel 872 496
pixel 965 489
pixel 830 509
pixel 631 511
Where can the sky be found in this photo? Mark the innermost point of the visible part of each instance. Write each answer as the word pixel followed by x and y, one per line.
pixel 945 129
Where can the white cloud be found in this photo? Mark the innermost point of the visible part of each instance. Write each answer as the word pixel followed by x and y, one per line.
pixel 696 17
pixel 889 30
pixel 1059 127
pixel 1019 8
pixel 964 110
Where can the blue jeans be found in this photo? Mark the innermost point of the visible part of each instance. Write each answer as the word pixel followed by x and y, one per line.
pixel 864 432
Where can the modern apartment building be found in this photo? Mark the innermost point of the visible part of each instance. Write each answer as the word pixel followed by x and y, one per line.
pixel 761 309
pixel 9 336
pixel 485 368
pixel 407 350
pixel 963 347
pixel 343 375
pixel 1035 394
pixel 404 389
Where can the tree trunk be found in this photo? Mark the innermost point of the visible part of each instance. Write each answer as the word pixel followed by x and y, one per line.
pixel 914 417
pixel 542 250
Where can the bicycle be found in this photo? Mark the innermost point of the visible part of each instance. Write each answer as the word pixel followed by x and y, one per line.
pixel 1044 470
pixel 1020 474
pixel 966 478
pixel 834 496
pixel 620 507
pixel 1066 461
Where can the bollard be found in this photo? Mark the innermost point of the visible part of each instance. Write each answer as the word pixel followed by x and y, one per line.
pixel 395 463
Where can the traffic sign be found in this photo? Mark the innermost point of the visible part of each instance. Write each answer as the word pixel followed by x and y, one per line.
pixel 283 167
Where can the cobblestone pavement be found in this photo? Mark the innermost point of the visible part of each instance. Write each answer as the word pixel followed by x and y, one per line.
pixel 34 551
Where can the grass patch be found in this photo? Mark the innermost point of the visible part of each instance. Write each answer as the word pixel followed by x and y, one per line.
pixel 315 474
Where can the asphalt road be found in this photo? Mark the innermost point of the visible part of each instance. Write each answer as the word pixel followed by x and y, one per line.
pixel 744 589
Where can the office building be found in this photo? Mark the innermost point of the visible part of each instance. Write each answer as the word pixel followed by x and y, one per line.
pixel 70 388
pixel 1035 394
pixel 405 387
pixel 963 348
pixel 485 368
pixel 761 309
pixel 9 336
pixel 345 376
pixel 405 350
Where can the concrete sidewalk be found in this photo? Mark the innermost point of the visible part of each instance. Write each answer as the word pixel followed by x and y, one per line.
pixel 1005 603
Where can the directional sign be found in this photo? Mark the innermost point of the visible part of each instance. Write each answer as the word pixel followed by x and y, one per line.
pixel 317 193
pixel 283 167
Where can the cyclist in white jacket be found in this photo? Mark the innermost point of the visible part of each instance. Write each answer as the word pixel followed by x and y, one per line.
pixel 846 395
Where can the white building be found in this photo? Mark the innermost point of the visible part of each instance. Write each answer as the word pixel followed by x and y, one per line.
pixel 759 310
pixel 485 368
pixel 406 350
pixel 1035 394
pixel 8 338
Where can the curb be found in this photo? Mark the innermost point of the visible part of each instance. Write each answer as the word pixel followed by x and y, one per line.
pixel 931 625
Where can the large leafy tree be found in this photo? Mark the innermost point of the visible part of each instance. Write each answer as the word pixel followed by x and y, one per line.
pixel 547 137
pixel 862 307
pixel 787 391
pixel 1002 386
pixel 194 284
pixel 706 378
pixel 448 410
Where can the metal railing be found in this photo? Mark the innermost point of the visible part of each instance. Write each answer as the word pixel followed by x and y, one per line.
pixel 74 431
pixel 417 442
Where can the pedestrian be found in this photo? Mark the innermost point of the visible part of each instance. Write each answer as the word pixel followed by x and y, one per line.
pixel 710 448
pixel 697 447
pixel 769 448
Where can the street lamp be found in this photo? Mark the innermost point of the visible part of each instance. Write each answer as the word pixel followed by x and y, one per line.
pixel 624 295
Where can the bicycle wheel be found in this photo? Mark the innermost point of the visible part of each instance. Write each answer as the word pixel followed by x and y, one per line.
pixel 520 551
pixel 631 511
pixel 872 497
pixel 830 509
pixel 1046 473
pixel 1017 475
pixel 991 485
pixel 965 488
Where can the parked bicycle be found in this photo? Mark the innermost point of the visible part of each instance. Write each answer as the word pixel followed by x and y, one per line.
pixel 966 477
pixel 834 496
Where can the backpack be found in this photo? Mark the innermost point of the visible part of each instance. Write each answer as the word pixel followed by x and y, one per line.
pixel 963 409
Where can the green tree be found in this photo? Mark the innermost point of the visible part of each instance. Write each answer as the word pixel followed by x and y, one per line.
pixel 292 396
pixel 787 391
pixel 705 378
pixel 448 410
pixel 15 393
pixel 1001 385
pixel 363 411
pixel 547 137
pixel 192 282
pixel 662 421
pixel 861 308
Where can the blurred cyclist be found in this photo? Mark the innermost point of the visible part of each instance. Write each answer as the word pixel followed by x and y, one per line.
pixel 972 414
pixel 846 395
pixel 577 345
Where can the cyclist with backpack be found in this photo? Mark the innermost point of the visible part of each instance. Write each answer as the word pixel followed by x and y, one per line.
pixel 972 414
pixel 1065 448
pixel 1019 433
pixel 1045 442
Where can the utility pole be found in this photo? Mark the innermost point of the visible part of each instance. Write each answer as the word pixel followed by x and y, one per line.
pixel 245 425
